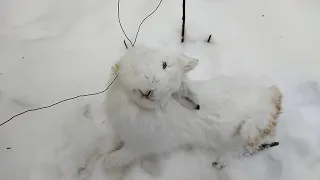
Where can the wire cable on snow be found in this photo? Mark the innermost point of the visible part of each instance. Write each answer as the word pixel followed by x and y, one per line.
pixel 68 99
pixel 135 39
pixel 90 94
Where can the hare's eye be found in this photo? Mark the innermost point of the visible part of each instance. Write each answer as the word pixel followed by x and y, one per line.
pixel 164 65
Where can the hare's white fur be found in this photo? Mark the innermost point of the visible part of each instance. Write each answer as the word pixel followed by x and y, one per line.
pixel 234 112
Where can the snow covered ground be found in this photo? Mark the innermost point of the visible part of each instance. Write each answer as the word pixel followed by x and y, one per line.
pixel 54 49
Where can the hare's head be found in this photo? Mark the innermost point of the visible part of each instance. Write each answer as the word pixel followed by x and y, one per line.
pixel 150 76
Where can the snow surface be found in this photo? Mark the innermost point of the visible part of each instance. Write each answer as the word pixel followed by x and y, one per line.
pixel 54 49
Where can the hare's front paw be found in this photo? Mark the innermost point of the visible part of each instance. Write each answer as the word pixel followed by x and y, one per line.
pixel 221 162
pixel 83 174
pixel 219 165
pixel 109 162
pixel 152 164
pixel 118 159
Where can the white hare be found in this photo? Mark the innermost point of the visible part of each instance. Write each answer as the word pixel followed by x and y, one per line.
pixel 154 109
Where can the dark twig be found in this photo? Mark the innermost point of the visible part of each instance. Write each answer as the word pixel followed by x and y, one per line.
pixel 183 20
pixel 208 41
pixel 124 41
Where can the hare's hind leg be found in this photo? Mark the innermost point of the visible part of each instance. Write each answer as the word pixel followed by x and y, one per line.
pixel 254 133
pixel 262 125
pixel 221 162
pixel 118 156
pixel 259 129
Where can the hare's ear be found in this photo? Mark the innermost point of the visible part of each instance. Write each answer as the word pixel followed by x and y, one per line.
pixel 188 63
pixel 186 97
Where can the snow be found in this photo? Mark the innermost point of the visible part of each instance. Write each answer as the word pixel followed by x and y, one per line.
pixel 55 49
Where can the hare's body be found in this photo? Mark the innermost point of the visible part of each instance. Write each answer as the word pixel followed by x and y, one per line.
pixel 149 118
pixel 232 115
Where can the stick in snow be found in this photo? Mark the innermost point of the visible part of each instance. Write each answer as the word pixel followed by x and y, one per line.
pixel 124 41
pixel 209 38
pixel 183 20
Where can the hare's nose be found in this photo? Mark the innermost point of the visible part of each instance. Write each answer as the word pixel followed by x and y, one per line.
pixel 149 93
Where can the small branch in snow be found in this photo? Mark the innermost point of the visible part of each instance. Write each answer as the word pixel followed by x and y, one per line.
pixel 124 41
pixel 183 20
pixel 209 39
